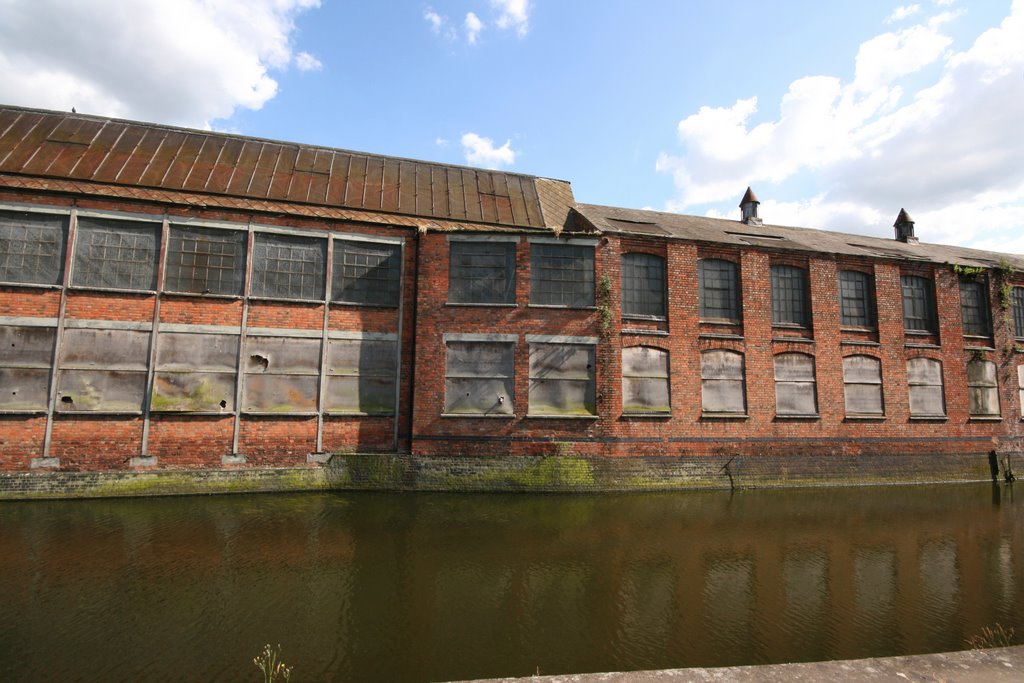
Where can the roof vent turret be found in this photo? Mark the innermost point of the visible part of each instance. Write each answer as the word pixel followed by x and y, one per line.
pixel 748 208
pixel 905 227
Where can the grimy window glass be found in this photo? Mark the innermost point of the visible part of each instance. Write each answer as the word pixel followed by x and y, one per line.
pixel 924 379
pixel 789 296
pixel 722 383
pixel 482 273
pixel 32 247
pixel 1018 311
pixel 795 392
pixel 366 273
pixel 479 378
pixel 116 254
pixel 918 304
pixel 862 383
pixel 205 261
pixel 645 386
pixel 856 299
pixel 361 376
pixel 195 373
pixel 562 379
pixel 562 275
pixel 718 282
pixel 643 285
pixel 982 389
pixel 974 308
pixel 289 267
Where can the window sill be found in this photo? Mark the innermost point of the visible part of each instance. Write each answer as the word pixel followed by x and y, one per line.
pixel 919 333
pixel 929 418
pixel 858 342
pixel 463 304
pixel 856 328
pixel 191 413
pixel 910 345
pixel 351 413
pixel 98 413
pixel 32 285
pixel 808 417
pixel 978 348
pixel 480 416
pixel 980 337
pixel 268 413
pixel 646 318
pixel 563 307
pixel 23 411
pixel 651 333
pixel 864 418
pixel 203 295
pixel 985 418
pixel 724 416
pixel 659 415
pixel 116 290
pixel 534 416
pixel 354 304
pixel 274 299
pixel 795 340
pixel 720 321
pixel 712 335
pixel 791 326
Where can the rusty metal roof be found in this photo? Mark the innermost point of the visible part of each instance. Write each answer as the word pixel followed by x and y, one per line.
pixel 67 146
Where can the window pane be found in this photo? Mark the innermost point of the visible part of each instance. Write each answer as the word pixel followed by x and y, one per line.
pixel 32 247
pixel 366 273
pixel 482 273
pixel 562 379
pixel 918 304
pixel 974 308
pixel 789 295
pixel 722 385
pixel 205 261
pixel 645 387
pixel 643 285
pixel 718 282
pixel 562 275
pixel 116 254
pixel 288 267
pixel 856 299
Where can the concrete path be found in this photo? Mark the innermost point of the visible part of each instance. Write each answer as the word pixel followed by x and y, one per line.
pixel 1000 665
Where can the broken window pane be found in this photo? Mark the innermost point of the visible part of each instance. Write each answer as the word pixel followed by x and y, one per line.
pixel 795 391
pixel 281 375
pixel 482 273
pixel 643 285
pixel 562 379
pixel 361 376
pixel 26 354
pixel 479 377
pixel 862 382
pixel 289 267
pixel 722 382
pixel 645 375
pixel 195 372
pixel 924 377
pixel 32 247
pixel 983 391
pixel 562 275
pixel 366 273
pixel 205 261
pixel 116 254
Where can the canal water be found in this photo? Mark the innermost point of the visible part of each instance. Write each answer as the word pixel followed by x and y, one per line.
pixel 418 587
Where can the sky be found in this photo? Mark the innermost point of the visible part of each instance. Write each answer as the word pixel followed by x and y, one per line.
pixel 837 114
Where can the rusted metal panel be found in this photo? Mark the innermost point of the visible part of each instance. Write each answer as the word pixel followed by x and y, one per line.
pixel 24 388
pixel 407 187
pixel 282 355
pixel 424 195
pixel 161 162
pixel 488 203
pixel 279 393
pixel 440 196
pixel 204 163
pixel 338 178
pixel 374 183
pixel 184 160
pixel 228 159
pixel 517 202
pixel 26 347
pixel 184 352
pixel 139 160
pixel 263 173
pixel 15 126
pixel 283 172
pixel 319 177
pixel 456 194
pixel 370 395
pixel 193 392
pixel 240 179
pixel 469 188
pixel 71 159
pixel 34 131
pixel 108 164
pixel 100 390
pixel 390 188
pixel 534 215
pixel 356 182
pixel 87 348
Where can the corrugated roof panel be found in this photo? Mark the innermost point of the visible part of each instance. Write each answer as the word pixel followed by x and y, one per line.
pixel 86 164
pixel 67 155
pixel 374 183
pixel 283 172
pixel 160 160
pixel 320 176
pixel 389 192
pixel 245 170
pixel 339 179
pixel 184 160
pixel 424 198
pixel 469 187
pixel 485 188
pixel 139 160
pixel 263 172
pixel 302 177
pixel 456 195
pixel 516 201
pixel 502 199
pixel 439 194
pixel 356 182
pixel 198 177
pixel 27 135
pixel 535 217
pixel 224 166
pixel 109 167
pixel 407 188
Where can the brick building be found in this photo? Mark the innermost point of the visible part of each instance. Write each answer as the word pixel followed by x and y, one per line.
pixel 182 301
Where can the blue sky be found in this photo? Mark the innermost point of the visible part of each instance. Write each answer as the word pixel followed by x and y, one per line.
pixel 837 114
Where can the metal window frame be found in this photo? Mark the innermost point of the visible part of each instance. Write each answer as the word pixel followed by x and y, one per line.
pixel 790 295
pixel 1017 303
pixel 257 290
pixel 856 290
pixel 718 279
pixel 974 308
pixel 127 219
pixel 644 291
pixel 239 268
pixel 386 292
pixel 459 274
pixel 919 313
pixel 573 289
pixel 62 247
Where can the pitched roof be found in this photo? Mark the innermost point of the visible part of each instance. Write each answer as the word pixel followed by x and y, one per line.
pixel 104 151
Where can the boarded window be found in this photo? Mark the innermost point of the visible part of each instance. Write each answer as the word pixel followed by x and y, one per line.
pixel 26 354
pixel 562 379
pixel 479 378
pixel 1020 386
pixel 974 308
pixel 366 273
pixel 289 267
pixel 281 375
pixel 32 247
pixel 795 392
pixel 924 377
pixel 862 383
pixel 789 296
pixel 562 275
pixel 918 304
pixel 361 376
pixel 982 389
pixel 856 299
pixel 102 370
pixel 116 254
pixel 1018 311
pixel 205 261
pixel 643 285
pixel 195 373
pixel 482 273
pixel 645 387
pixel 722 382
pixel 718 282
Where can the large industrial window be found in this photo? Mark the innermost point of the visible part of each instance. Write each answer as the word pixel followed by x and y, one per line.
pixel 862 383
pixel 982 389
pixel 718 282
pixel 562 275
pixel 789 296
pixel 26 354
pixel 478 378
pixel 195 373
pixel 974 308
pixel 722 383
pixel 103 370
pixel 366 273
pixel 645 387
pixel 918 304
pixel 1018 311
pixel 205 261
pixel 643 285
pixel 856 299
pixel 562 379
pixel 116 254
pixel 361 376
pixel 482 272
pixel 288 267
pixel 924 377
pixel 281 375
pixel 32 247
pixel 795 392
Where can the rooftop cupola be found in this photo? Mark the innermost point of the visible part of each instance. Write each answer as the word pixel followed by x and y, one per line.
pixel 905 227
pixel 748 208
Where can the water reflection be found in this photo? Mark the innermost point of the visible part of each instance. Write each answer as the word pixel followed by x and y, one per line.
pixel 442 587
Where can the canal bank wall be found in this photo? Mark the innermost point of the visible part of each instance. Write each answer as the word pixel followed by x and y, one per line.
pixel 565 473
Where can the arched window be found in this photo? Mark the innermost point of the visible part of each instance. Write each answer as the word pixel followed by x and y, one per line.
pixel 645 380
pixel 643 285
pixel 795 393
pixel 924 377
pixel 722 383
pixel 862 382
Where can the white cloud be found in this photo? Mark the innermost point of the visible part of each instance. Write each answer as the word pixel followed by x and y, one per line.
pixel 513 14
pixel 307 62
pixel 948 151
pixel 480 151
pixel 440 142
pixel 440 25
pixel 184 62
pixel 901 13
pixel 473 27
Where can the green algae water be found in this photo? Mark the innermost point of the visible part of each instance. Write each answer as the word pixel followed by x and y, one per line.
pixel 421 587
